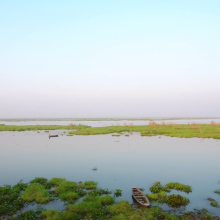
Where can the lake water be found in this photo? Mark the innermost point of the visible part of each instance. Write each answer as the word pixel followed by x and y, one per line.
pixel 121 161
pixel 107 123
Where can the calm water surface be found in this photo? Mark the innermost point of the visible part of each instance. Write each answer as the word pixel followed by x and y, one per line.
pixel 121 161
pixel 108 123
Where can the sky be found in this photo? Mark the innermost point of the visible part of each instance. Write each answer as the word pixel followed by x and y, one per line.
pixel 95 58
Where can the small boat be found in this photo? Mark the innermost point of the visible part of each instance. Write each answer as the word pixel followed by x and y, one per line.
pixel 56 135
pixel 139 196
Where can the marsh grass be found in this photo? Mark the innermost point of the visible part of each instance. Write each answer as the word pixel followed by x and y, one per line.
pixel 41 127
pixel 116 135
pixel 126 135
pixel 172 130
pixel 194 125
pixel 69 196
pixel 35 192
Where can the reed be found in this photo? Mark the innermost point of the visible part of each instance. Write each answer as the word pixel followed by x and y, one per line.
pixel 153 124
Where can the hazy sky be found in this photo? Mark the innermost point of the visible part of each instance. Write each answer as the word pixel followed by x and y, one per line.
pixel 97 58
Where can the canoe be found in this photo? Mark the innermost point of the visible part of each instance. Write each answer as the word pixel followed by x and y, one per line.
pixel 53 135
pixel 139 196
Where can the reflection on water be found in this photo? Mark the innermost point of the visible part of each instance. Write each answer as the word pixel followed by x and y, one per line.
pixel 121 162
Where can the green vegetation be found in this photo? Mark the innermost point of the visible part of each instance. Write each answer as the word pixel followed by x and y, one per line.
pixel 217 191
pixel 173 130
pixel 117 192
pixel 35 192
pixel 179 187
pixel 159 193
pixel 213 202
pixel 41 127
pixel 116 135
pixel 95 203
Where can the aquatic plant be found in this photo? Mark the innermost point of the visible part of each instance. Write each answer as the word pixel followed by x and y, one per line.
pixel 152 196
pixel 177 200
pixel 116 135
pixel 43 181
pixel 126 135
pixel 156 187
pixel 99 192
pixel 69 196
pixel 162 194
pixel 35 192
pixel 90 185
pixel 217 191
pixel 10 201
pixel 54 214
pixel 65 186
pixel 122 206
pixel 179 187
pixel 57 181
pixel 70 135
pixel 117 192
pixel 214 203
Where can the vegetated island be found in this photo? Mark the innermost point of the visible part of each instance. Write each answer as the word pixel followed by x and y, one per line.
pixel 191 130
pixel 87 201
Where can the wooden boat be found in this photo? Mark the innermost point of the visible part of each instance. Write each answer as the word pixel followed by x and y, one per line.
pixel 139 196
pixel 53 135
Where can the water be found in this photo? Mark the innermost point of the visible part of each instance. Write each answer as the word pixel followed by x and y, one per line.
pixel 121 161
pixel 106 123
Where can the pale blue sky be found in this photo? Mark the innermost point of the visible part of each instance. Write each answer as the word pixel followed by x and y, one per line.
pixel 109 58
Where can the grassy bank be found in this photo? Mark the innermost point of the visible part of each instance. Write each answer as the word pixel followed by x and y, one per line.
pixel 173 130
pixel 41 127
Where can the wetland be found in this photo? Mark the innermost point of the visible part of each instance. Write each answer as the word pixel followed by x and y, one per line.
pixel 94 168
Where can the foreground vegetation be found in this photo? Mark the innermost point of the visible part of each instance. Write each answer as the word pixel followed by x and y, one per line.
pixel 87 201
pixel 173 130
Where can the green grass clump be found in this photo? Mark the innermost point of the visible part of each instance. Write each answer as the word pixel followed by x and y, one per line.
pixel 54 214
pixel 70 135
pixel 84 207
pixel 156 187
pixel 177 201
pixel 10 201
pixel 57 181
pixel 217 191
pixel 65 186
pixel 35 192
pixel 116 135
pixel 69 196
pixel 214 203
pixel 80 185
pixel 99 192
pixel 43 181
pixel 162 194
pixel 117 192
pixel 152 196
pixel 90 185
pixel 126 135
pixel 106 200
pixel 179 187
pixel 121 207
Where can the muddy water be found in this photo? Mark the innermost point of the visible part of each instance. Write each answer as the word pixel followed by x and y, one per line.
pixel 121 161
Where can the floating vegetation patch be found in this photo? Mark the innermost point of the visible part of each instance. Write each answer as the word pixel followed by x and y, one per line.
pixel 10 201
pixel 177 200
pixel 70 135
pixel 126 135
pixel 90 184
pixel 213 202
pixel 116 135
pixel 159 193
pixel 179 187
pixel 117 192
pixel 35 192
pixel 90 204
